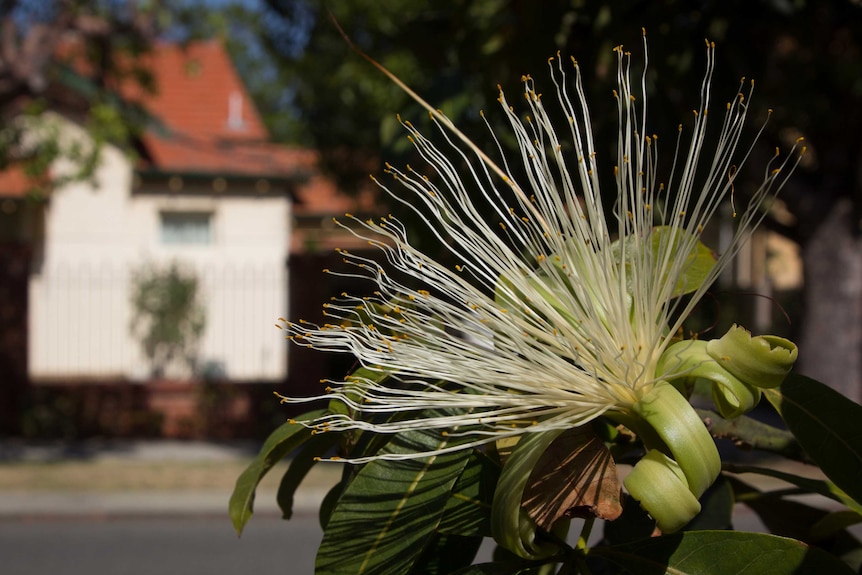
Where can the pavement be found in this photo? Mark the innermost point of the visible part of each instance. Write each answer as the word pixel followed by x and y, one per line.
pixel 139 478
pixel 168 478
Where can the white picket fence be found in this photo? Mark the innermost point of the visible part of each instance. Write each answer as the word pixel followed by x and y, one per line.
pixel 80 324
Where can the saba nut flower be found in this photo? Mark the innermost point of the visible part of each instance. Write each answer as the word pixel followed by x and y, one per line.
pixel 547 313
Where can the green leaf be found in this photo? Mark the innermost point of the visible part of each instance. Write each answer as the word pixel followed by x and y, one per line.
pixel 707 552
pixel 781 516
pixel 299 467
pixel 544 283
pixel 280 442
pixel 835 522
pixel 699 261
pixel 797 520
pixel 355 442
pixel 468 510
pixel 824 488
pixel 663 240
pixel 360 373
pixel 327 506
pixel 826 424
pixel 390 511
pixel 447 553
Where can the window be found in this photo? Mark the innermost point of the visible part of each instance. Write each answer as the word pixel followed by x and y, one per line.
pixel 186 228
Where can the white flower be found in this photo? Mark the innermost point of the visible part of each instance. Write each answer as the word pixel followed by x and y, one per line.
pixel 552 316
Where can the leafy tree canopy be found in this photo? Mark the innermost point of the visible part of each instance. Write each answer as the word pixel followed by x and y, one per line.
pixel 803 55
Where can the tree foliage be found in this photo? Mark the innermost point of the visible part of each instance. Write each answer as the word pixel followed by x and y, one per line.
pixel 69 57
pixel 804 57
pixel 169 317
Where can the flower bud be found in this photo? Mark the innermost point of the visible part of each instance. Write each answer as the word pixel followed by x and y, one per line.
pixel 658 483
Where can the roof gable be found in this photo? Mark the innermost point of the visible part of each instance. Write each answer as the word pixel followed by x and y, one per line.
pixel 197 92
pixel 205 120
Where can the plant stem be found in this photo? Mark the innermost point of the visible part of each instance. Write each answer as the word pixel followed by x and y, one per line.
pixel 748 433
pixel 585 533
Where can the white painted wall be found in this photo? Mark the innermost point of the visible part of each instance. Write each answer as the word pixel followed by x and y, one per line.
pixel 96 237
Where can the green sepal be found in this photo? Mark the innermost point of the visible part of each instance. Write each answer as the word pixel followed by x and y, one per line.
pixel 733 401
pixel 660 486
pixel 762 361
pixel 690 358
pixel 686 437
pixel 667 487
pixel 510 525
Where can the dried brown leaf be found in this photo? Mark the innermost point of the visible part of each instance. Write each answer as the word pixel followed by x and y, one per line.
pixel 575 477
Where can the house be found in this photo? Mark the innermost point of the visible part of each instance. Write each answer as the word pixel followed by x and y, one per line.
pixel 207 193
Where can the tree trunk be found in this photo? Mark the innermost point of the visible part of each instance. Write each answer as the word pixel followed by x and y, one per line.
pixel 831 341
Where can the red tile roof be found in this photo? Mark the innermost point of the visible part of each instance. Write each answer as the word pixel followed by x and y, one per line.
pixel 193 86
pixel 16 183
pixel 207 121
pixel 190 155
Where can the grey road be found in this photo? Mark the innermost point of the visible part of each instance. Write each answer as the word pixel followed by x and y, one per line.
pixel 163 546
pixel 184 545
